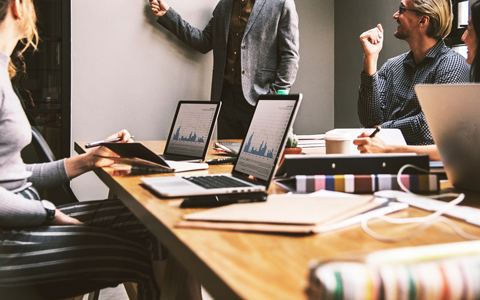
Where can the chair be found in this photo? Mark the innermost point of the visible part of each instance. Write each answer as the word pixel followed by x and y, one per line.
pixel 59 195
pixel 39 152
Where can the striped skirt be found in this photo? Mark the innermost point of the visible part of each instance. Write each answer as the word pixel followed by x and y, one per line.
pixel 57 262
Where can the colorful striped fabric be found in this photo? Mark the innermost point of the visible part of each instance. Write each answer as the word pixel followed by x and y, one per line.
pixel 456 278
pixel 365 183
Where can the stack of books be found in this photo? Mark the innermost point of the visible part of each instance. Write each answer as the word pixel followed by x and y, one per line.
pixel 416 183
pixel 443 271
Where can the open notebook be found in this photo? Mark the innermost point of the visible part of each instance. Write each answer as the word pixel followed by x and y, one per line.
pixel 143 159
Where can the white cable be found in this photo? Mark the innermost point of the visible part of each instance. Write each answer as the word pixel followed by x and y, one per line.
pixel 399 174
pixel 424 221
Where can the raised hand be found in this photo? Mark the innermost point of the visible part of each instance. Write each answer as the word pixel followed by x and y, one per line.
pixel 159 7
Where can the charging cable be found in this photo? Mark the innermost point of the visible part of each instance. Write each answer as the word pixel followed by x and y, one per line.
pixel 424 222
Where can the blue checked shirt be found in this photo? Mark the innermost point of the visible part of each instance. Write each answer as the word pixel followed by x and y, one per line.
pixel 388 97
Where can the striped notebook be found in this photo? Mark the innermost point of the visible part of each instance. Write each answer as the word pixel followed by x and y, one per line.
pixel 361 183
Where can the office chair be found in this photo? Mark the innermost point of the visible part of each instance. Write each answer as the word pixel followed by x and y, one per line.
pixel 59 195
pixel 39 152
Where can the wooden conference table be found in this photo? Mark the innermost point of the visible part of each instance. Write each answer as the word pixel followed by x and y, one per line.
pixel 236 265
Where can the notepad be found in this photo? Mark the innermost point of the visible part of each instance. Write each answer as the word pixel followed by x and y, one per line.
pixel 142 158
pixel 292 214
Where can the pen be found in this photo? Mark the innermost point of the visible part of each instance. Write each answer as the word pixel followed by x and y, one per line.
pixel 374 132
pixel 98 143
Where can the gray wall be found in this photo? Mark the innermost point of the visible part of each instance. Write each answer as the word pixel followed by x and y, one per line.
pixel 352 18
pixel 128 72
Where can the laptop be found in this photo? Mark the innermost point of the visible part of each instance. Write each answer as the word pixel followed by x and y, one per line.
pixel 259 154
pixel 191 131
pixel 452 114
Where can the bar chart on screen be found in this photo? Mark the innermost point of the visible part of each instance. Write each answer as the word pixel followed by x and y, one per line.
pixel 191 128
pixel 264 137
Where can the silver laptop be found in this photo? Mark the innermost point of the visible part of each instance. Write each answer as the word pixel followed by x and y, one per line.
pixel 257 160
pixel 191 131
pixel 453 116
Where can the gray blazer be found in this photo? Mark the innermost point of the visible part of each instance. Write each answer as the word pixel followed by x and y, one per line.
pixel 270 45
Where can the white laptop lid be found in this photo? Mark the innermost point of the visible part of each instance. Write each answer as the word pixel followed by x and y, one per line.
pixel 452 114
pixel 192 129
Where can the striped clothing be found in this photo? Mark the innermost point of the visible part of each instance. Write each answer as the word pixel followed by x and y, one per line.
pixel 56 262
pixel 388 97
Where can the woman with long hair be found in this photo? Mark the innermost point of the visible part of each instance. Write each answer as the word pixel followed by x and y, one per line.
pixel 49 252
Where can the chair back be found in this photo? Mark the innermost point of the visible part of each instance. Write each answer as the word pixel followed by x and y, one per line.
pixel 62 194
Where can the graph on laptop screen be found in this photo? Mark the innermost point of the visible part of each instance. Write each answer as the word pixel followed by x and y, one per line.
pixel 191 129
pixel 264 138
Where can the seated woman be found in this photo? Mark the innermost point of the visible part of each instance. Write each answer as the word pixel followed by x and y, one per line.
pixel 377 145
pixel 48 252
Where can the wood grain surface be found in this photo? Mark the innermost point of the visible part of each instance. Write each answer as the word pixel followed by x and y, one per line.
pixel 236 265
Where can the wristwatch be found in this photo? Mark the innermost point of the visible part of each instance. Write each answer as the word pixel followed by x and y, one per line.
pixel 50 210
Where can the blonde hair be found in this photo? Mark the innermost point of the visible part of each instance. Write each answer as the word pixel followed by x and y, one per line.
pixel 441 16
pixel 29 28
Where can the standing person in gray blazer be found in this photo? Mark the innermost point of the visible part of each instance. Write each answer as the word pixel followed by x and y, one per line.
pixel 255 49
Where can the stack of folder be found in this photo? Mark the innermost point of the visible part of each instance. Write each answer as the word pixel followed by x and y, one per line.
pixel 360 183
pixel 283 214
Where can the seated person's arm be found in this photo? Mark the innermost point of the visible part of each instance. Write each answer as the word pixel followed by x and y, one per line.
pixel 83 163
pixel 414 129
pixel 16 211
pixel 365 144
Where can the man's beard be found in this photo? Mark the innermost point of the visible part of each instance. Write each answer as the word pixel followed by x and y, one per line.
pixel 400 35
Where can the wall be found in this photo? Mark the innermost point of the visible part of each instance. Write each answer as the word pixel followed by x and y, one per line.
pixel 128 72
pixel 352 18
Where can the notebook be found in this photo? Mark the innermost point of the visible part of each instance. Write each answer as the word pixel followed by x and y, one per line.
pixel 259 154
pixel 452 112
pixel 143 159
pixel 191 131
pixel 282 214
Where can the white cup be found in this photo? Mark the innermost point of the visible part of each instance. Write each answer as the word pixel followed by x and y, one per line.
pixel 338 143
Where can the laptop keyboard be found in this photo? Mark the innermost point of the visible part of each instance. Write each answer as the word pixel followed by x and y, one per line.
pixel 215 182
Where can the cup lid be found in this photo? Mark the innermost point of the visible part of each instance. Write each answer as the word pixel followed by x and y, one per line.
pixel 337 136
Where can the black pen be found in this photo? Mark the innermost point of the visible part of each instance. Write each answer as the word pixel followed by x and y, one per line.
pixel 374 132
pixel 98 143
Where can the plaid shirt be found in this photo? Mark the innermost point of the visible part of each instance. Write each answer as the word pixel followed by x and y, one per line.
pixel 388 97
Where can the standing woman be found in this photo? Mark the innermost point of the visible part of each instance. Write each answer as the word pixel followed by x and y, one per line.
pixel 48 252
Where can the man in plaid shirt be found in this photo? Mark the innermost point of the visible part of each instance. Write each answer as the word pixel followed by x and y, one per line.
pixel 387 97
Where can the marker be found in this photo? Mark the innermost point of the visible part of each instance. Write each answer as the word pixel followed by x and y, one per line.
pixel 375 132
pixel 98 143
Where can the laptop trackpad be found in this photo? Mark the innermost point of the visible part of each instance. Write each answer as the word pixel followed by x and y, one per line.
pixel 168 184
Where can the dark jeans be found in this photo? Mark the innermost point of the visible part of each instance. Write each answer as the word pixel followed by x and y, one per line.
pixel 235 115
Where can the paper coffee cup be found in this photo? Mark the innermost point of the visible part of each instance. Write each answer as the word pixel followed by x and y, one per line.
pixel 338 143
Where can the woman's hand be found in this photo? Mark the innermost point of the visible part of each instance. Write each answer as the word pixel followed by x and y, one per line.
pixel 78 165
pixel 98 162
pixel 366 144
pixel 63 219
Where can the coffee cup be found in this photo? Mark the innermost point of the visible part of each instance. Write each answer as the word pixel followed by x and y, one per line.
pixel 338 143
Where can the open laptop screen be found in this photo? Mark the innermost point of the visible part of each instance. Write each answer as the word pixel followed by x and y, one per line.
pixel 266 137
pixel 192 128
